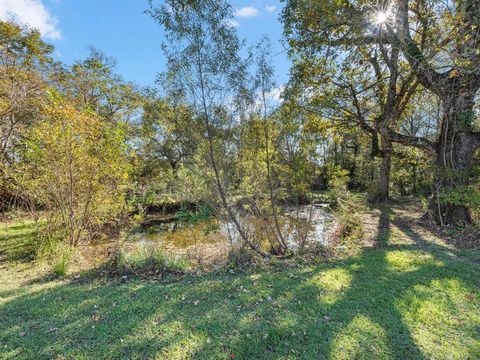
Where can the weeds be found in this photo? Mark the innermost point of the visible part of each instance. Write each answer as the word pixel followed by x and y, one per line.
pixel 349 231
pixel 147 261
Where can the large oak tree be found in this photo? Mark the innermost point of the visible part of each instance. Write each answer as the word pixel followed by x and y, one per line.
pixel 440 41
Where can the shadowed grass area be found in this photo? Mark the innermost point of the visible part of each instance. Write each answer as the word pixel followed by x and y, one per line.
pixel 16 241
pixel 406 298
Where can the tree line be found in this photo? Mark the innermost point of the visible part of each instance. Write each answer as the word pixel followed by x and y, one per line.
pixel 381 99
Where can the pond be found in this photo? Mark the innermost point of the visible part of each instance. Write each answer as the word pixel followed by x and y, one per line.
pixel 210 241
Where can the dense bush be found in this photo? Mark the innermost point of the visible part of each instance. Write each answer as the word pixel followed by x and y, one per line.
pixel 73 165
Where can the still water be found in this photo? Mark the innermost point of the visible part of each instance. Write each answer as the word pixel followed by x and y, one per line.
pixel 211 240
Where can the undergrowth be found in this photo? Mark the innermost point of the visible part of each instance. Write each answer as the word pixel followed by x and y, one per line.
pixel 146 261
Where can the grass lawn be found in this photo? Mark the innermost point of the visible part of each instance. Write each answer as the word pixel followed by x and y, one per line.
pixel 408 297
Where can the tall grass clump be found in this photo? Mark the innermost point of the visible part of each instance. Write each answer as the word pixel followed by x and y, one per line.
pixel 55 253
pixel 147 261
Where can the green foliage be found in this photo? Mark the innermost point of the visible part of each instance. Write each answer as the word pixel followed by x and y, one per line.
pixel 61 262
pixel 52 250
pixel 338 180
pixel 168 164
pixel 251 167
pixel 350 75
pixel 23 57
pixel 461 196
pixel 74 165
pixel 93 84
pixel 350 230
pixel 18 241
pixel 20 42
pixel 193 217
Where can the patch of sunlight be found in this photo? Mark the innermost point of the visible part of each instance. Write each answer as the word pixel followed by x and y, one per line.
pixel 398 237
pixel 331 283
pixel 12 353
pixel 184 348
pixel 16 227
pixel 255 277
pixel 361 339
pixel 172 340
pixel 443 317
pixel 248 319
pixel 287 321
pixel 407 261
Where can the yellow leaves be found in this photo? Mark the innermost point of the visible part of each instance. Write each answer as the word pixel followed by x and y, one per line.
pixel 4 105
pixel 73 159
pixel 453 74
pixel 317 125
pixel 9 29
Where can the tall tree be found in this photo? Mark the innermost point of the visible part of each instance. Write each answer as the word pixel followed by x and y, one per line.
pixel 94 84
pixel 359 87
pixel 205 67
pixel 451 70
pixel 441 43
pixel 23 56
pixel 265 86
pixel 24 59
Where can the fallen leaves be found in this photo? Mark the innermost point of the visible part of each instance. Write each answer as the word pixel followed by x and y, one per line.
pixel 96 317
pixel 470 297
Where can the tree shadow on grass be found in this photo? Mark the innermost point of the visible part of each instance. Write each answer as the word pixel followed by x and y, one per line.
pixel 348 308
pixel 17 246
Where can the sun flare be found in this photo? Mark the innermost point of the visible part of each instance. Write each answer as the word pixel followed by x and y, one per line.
pixel 381 17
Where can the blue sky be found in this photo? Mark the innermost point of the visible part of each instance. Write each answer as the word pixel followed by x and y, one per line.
pixel 121 29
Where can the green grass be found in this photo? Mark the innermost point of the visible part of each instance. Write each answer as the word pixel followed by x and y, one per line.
pixel 16 241
pixel 148 259
pixel 407 298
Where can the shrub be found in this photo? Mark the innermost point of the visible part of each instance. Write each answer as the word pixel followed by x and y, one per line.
pixel 59 267
pixel 74 165
pixel 241 258
pixel 337 190
pixel 350 231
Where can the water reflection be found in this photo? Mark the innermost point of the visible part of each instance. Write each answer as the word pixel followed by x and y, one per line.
pixel 213 239
pixel 298 225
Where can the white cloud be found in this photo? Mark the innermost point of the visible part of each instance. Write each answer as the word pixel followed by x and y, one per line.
pixel 32 13
pixel 247 11
pixel 272 97
pixel 233 23
pixel 270 8
pixel 275 94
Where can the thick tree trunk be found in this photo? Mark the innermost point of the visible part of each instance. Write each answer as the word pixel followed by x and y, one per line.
pixel 455 150
pixel 383 191
pixel 457 88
